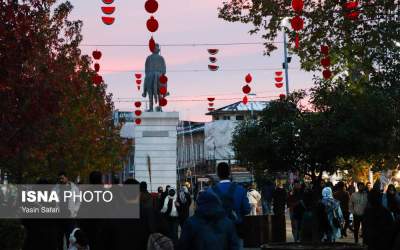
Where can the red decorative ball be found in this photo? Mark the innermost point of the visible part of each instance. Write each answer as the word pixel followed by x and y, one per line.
pixel 212 51
pixel 327 74
pixel 108 1
pixel 138 75
pixel 353 15
pixel 108 20
pixel 96 67
pixel 97 79
pixel 297 5
pixel 326 62
pixel 138 121
pixel 151 6
pixel 163 90
pixel 138 112
pixel 212 67
pixel 152 44
pixel 282 96
pixel 138 81
pixel 211 99
pixel 108 10
pixel 248 78
pixel 297 23
pixel 245 100
pixel 351 5
pixel 152 24
pixel 278 73
pixel 324 49
pixel 163 102
pixel 279 84
pixel 210 104
pixel 213 59
pixel 163 79
pixel 138 104
pixel 279 79
pixel 246 89
pixel 96 55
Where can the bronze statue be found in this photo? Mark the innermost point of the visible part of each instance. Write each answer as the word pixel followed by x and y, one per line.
pixel 154 68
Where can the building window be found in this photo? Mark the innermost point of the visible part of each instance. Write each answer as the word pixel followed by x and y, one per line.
pixel 226 117
pixel 239 118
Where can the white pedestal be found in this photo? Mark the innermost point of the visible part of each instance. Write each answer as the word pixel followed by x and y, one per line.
pixel 155 145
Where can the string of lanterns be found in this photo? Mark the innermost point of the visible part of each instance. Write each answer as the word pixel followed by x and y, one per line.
pixel 326 62
pixel 151 6
pixel 108 10
pixel 213 59
pixel 138 80
pixel 211 103
pixel 297 22
pixel 351 10
pixel 163 90
pixel 138 113
pixel 97 79
pixel 246 88
pixel 279 82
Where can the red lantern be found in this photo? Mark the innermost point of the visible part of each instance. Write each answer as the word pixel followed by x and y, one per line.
pixel 138 75
pixel 212 59
pixel 152 24
pixel 96 55
pixel 326 62
pixel 211 99
pixel 108 10
pixel 212 51
pixel 210 109
pixel 246 89
pixel 324 49
pixel 138 112
pixel 138 87
pixel 96 67
pixel 297 5
pixel 297 23
pixel 245 100
pixel 163 90
pixel 210 104
pixel 278 73
pixel 213 67
pixel 279 84
pixel 326 74
pixel 163 79
pixel 97 79
pixel 353 15
pixel 108 1
pixel 108 20
pixel 138 81
pixel 163 102
pixel 152 44
pixel 351 5
pixel 138 121
pixel 248 78
pixel 151 6
pixel 279 79
pixel 282 96
pixel 138 104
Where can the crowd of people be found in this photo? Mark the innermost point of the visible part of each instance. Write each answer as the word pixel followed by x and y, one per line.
pixel 328 212
pixel 322 213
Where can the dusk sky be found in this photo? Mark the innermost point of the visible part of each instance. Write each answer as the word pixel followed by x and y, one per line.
pixel 183 22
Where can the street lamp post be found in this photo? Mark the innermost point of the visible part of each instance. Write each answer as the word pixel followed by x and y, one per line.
pixel 286 65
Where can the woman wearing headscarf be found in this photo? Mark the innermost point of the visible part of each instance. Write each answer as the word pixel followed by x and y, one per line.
pixel 184 201
pixel 170 214
pixel 333 215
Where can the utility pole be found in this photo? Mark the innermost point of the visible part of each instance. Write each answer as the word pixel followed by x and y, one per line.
pixel 285 62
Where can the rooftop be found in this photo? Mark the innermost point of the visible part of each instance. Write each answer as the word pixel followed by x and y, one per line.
pixel 255 106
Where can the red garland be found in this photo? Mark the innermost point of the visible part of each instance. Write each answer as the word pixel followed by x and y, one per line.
pixel 138 104
pixel 96 54
pixel 151 6
pixel 152 24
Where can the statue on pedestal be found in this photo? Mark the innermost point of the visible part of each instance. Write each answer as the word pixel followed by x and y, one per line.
pixel 154 68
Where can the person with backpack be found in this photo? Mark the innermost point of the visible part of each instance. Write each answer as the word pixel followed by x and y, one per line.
pixel 209 228
pixel 332 215
pixel 233 198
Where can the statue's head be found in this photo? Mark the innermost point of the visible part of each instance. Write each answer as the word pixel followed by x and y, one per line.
pixel 156 49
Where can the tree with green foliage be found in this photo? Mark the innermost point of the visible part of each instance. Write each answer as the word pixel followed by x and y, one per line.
pixel 53 116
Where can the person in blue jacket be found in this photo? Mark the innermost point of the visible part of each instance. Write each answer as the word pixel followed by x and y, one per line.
pixel 209 228
pixel 233 198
